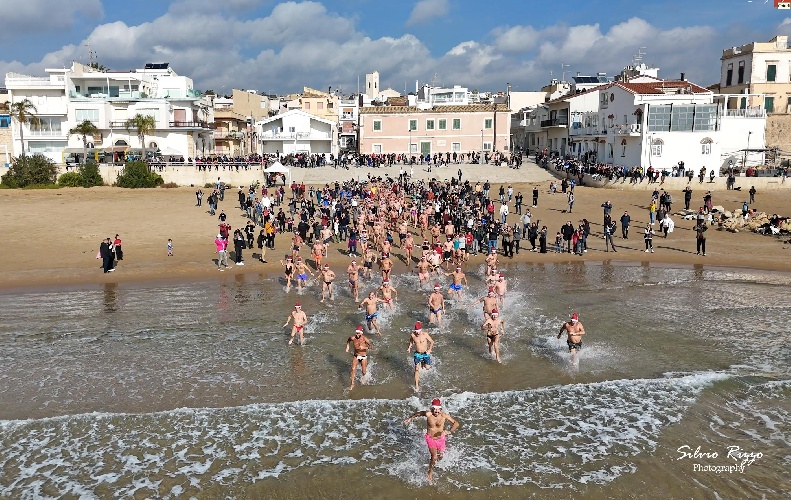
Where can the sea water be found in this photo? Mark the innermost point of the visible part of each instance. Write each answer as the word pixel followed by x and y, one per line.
pixel 190 389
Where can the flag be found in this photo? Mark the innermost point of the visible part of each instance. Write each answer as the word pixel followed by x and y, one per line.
pixel 782 5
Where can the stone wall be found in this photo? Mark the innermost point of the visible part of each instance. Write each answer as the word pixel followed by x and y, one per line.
pixel 7 141
pixel 778 132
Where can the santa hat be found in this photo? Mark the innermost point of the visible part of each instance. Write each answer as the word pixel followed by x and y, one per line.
pixel 575 317
pixel 418 326
pixel 359 329
pixel 297 305
pixel 436 286
pixel 436 403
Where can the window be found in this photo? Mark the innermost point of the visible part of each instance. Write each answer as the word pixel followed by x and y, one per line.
pixel 306 105
pixel 769 104
pixel 47 125
pixel 443 124
pixel 706 117
pixel 656 147
pixel 429 124
pixel 659 118
pixel 741 72
pixel 623 148
pixel 319 105
pixel 771 72
pixel 729 75
pixel 413 148
pixel 705 146
pixel 457 124
pixel 412 124
pixel 487 146
pixel 455 146
pixel 5 121
pixel 378 125
pixel 292 130
pixel 681 118
pixel 330 105
pixel 487 123
pixel 80 115
pixel 377 148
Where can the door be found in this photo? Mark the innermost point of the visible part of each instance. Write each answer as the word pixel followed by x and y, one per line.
pixel 425 148
pixel 179 115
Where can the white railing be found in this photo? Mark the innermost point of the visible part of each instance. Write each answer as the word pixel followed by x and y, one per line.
pixel 45 133
pixel 746 113
pixel 35 81
pixel 294 135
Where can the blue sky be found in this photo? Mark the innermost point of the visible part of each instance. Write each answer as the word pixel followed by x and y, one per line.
pixel 283 46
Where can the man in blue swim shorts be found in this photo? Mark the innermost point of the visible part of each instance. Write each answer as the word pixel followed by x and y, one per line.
pixel 436 304
pixel 422 357
pixel 370 311
pixel 454 290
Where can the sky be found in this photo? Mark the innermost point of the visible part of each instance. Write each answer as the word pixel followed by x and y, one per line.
pixel 280 47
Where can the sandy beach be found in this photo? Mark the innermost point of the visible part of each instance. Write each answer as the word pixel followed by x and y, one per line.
pixel 61 229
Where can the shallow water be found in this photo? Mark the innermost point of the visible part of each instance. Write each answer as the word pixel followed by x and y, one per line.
pixel 173 390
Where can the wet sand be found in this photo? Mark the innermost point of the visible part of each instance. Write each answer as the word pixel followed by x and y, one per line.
pixel 58 232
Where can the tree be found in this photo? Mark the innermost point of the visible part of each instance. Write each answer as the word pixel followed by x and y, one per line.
pixel 24 112
pixel 143 125
pixel 90 176
pixel 36 170
pixel 85 129
pixel 98 67
pixel 136 174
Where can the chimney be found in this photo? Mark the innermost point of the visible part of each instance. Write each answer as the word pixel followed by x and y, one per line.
pixel 683 77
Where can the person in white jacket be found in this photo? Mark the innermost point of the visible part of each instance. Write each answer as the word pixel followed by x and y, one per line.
pixel 503 213
pixel 668 225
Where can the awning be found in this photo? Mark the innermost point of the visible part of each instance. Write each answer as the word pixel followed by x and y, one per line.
pixel 169 152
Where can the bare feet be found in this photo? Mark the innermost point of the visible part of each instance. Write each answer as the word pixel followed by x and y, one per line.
pixel 291 341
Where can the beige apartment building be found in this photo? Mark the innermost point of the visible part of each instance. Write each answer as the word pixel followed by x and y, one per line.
pixel 231 136
pixel 758 74
pixel 440 129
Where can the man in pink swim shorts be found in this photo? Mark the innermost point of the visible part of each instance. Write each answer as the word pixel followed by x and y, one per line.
pixel 436 434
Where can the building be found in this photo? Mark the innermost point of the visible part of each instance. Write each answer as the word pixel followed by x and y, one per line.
pixel 371 85
pixel 6 141
pixel 758 75
pixel 231 136
pixel 659 123
pixel 69 96
pixel 439 129
pixel 296 131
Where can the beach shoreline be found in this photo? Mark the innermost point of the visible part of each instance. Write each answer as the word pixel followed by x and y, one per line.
pixel 63 254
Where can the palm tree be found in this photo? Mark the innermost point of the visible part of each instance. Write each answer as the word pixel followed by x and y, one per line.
pixel 143 125
pixel 24 112
pixel 85 129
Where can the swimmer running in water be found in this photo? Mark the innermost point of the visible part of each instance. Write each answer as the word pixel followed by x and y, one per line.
pixel 454 289
pixel 422 357
pixel 328 276
pixel 361 345
pixel 494 327
pixel 389 294
pixel 300 319
pixel 436 434
pixel 370 311
pixel 436 304
pixel 489 303
pixel 574 332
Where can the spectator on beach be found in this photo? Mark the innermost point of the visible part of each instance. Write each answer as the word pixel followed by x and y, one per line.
pixel 106 254
pixel 119 253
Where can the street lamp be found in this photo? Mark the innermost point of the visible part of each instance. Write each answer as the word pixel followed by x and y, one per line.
pixel 748 148
pixel 409 149
pixel 482 141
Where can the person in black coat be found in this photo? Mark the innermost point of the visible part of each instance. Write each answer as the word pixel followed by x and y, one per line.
pixel 238 246
pixel 106 253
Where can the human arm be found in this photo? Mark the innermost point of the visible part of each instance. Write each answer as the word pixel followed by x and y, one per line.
pixel 416 414
pixel 562 329
pixel 430 344
pixel 348 341
pixel 288 320
pixel 454 425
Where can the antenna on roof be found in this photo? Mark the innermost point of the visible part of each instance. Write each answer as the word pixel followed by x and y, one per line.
pixel 91 55
pixel 637 58
pixel 435 79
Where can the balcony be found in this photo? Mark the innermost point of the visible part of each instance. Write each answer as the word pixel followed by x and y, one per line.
pixel 633 129
pixel 746 113
pixel 224 135
pixel 199 124
pixel 15 81
pixel 347 116
pixel 555 122
pixel 293 136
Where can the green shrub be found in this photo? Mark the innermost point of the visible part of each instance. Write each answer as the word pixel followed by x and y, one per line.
pixel 31 170
pixel 70 179
pixel 169 185
pixel 136 174
pixel 90 176
pixel 209 185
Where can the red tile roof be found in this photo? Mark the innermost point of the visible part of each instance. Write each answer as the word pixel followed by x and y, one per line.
pixel 661 87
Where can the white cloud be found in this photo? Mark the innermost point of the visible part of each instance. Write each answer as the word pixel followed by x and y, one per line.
pixel 785 27
pixel 42 16
pixel 426 10
pixel 218 48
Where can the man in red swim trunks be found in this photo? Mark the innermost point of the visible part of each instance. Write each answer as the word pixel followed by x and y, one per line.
pixel 436 434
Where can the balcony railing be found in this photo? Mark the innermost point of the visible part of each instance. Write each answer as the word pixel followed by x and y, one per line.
pixel 291 136
pixel 746 113
pixel 45 133
pixel 230 136
pixel 29 81
pixel 555 122
pixel 199 124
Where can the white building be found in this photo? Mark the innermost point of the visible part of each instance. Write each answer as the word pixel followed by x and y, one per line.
pixel 67 97
pixel 296 131
pixel 662 122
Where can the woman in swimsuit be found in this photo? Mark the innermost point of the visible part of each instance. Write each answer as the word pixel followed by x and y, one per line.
pixel 288 266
